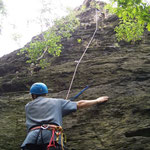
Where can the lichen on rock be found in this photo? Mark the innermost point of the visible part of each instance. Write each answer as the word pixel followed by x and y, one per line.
pixel 120 70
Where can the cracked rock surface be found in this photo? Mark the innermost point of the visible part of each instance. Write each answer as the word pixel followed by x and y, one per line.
pixel 118 69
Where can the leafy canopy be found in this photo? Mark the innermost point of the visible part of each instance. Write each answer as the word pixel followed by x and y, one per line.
pixel 134 16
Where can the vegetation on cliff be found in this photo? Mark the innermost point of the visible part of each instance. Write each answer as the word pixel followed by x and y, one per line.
pixel 120 70
pixel 50 41
pixel 134 16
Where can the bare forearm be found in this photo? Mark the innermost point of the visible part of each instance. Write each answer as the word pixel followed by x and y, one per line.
pixel 88 103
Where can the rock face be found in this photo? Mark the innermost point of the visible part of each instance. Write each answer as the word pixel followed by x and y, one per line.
pixel 118 69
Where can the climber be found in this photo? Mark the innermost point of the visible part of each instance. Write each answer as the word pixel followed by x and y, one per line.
pixel 44 118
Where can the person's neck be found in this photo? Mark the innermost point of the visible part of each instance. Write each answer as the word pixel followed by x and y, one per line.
pixel 34 96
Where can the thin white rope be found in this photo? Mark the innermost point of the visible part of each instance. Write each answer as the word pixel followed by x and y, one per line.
pixel 82 57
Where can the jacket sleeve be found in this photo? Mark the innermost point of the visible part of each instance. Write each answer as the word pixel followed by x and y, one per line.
pixel 68 107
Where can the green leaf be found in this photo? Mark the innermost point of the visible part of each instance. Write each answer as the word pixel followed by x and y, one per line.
pixel 79 40
pixel 133 15
pixel 148 27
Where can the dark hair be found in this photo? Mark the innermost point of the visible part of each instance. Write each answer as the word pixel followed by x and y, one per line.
pixel 34 96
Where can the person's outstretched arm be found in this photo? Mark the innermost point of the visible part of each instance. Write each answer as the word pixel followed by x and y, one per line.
pixel 88 103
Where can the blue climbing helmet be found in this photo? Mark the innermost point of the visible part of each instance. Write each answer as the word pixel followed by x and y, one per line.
pixel 38 89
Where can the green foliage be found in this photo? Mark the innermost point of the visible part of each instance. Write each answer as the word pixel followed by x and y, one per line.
pixel 79 41
pixel 62 28
pixel 129 31
pixel 66 26
pixel 134 15
pixel 148 27
pixel 83 8
pixel 94 4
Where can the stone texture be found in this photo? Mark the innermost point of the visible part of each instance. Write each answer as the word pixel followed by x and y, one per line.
pixel 118 69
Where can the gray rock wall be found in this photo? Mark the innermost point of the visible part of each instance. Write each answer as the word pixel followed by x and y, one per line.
pixel 117 69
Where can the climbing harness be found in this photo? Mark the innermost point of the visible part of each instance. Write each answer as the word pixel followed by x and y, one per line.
pixel 56 130
pixel 78 62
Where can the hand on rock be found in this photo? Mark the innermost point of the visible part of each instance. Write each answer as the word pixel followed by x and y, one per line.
pixel 102 99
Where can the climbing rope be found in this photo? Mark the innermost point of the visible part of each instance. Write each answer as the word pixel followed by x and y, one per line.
pixel 74 74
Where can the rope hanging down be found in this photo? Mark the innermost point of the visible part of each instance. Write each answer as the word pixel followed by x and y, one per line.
pixel 82 56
